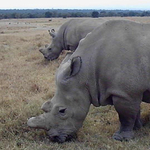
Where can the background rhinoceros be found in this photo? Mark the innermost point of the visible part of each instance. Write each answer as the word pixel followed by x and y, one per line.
pixel 117 72
pixel 68 36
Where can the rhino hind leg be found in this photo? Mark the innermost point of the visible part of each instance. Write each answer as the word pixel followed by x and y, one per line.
pixel 129 117
pixel 138 122
pixel 121 135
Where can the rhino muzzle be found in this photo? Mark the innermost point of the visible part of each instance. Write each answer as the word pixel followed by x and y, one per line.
pixel 51 56
pixel 61 137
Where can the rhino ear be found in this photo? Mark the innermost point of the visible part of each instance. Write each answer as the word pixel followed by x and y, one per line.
pixel 72 68
pixel 52 33
pixel 75 66
pixel 69 69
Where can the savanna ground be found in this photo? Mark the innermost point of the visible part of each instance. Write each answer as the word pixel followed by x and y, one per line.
pixel 27 80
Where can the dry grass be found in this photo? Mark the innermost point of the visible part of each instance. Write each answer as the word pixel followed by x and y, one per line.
pixel 27 80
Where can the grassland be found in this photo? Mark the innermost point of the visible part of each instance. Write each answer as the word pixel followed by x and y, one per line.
pixel 27 80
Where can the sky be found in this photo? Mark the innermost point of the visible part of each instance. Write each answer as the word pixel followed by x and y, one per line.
pixel 76 4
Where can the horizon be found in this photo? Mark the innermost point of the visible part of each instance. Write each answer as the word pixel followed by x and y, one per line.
pixel 74 9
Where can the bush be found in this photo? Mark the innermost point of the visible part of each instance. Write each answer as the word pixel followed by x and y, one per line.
pixel 95 14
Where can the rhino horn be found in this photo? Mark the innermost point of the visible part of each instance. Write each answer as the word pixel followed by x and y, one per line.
pixel 41 50
pixel 38 122
pixel 46 107
pixel 52 32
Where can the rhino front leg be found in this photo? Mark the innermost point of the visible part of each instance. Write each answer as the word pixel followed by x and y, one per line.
pixel 128 111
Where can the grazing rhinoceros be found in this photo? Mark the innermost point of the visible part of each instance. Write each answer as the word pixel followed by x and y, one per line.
pixel 117 72
pixel 68 36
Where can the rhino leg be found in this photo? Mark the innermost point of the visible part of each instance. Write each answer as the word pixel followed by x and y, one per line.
pixel 138 123
pixel 123 135
pixel 128 111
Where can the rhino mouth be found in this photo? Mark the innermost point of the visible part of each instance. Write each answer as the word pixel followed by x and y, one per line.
pixel 51 57
pixel 62 138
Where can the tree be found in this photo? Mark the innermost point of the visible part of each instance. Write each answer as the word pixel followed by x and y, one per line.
pixel 103 14
pixel 95 14
pixel 48 14
pixel 145 13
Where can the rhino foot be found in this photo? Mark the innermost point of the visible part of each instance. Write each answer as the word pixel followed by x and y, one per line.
pixel 123 136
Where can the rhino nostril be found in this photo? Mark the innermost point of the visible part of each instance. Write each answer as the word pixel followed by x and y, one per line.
pixel 55 139
pixel 45 57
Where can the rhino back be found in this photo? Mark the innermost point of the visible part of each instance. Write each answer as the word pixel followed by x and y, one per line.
pixel 76 29
pixel 120 58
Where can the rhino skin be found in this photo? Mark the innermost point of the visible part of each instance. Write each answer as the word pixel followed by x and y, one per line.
pixel 68 36
pixel 117 72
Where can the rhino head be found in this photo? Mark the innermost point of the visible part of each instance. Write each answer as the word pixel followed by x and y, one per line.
pixel 65 112
pixel 53 50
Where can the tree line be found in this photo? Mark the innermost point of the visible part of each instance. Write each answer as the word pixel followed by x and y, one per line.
pixel 65 13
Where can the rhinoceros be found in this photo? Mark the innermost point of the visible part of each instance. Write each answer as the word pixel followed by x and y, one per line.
pixel 117 72
pixel 68 36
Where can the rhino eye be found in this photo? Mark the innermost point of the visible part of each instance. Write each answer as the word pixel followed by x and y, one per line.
pixel 62 111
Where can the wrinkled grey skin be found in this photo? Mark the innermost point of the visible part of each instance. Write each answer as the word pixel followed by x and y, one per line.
pixel 117 72
pixel 68 36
